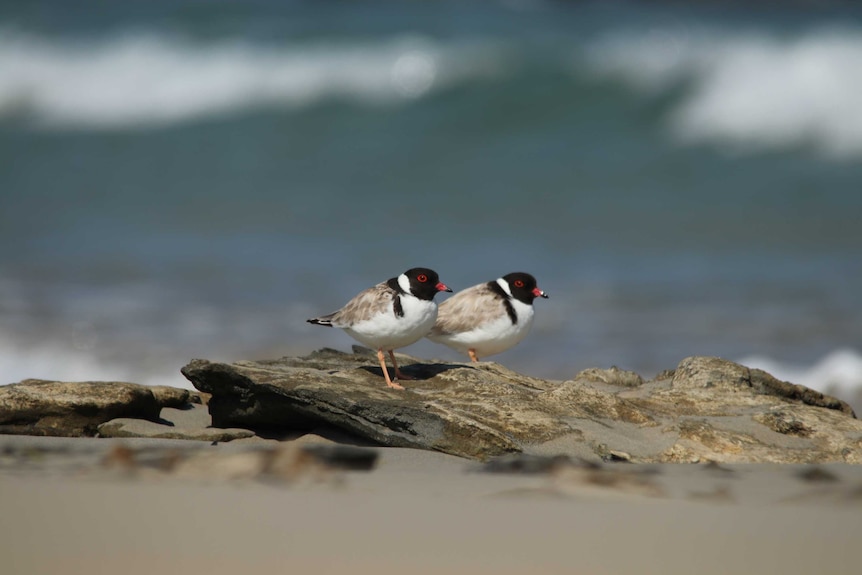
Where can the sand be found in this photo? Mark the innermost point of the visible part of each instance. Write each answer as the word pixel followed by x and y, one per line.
pixel 64 511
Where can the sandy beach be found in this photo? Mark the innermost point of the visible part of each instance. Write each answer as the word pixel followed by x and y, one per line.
pixel 69 510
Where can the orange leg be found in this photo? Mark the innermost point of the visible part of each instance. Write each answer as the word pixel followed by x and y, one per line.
pixel 398 373
pixel 472 354
pixel 382 359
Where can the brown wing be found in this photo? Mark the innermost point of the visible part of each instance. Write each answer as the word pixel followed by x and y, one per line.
pixel 365 305
pixel 468 309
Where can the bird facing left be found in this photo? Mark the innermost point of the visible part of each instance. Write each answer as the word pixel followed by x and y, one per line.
pixel 390 315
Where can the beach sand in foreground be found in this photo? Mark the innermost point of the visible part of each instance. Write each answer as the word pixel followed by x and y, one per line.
pixel 424 512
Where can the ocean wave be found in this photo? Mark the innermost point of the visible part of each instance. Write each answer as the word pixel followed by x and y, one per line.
pixel 750 90
pixel 838 373
pixel 147 79
pixel 58 361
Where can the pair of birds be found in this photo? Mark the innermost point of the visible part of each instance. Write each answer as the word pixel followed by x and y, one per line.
pixel 482 320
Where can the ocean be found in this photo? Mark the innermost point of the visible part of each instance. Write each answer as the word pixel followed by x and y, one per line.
pixel 184 179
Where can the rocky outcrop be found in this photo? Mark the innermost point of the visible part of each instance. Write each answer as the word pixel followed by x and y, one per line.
pixel 38 407
pixel 711 374
pixel 705 409
pixel 191 422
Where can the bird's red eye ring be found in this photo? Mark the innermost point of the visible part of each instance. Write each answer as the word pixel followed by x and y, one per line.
pixel 519 284
pixel 422 278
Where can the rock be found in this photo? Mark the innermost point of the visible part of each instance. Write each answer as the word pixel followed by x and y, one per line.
pixel 577 477
pixel 38 407
pixel 816 474
pixel 580 398
pixel 614 455
pixel 127 427
pixel 345 457
pixel 192 423
pixel 716 374
pixel 285 463
pixel 270 462
pixel 607 480
pixel 707 409
pixel 783 422
pixel 612 376
pixel 334 389
pixel 171 396
pixel 524 464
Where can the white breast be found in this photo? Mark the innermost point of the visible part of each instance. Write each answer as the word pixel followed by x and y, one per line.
pixel 388 331
pixel 494 336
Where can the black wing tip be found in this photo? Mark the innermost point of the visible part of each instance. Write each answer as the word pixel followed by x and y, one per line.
pixel 319 321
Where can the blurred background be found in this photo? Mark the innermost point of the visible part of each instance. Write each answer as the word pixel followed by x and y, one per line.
pixel 187 178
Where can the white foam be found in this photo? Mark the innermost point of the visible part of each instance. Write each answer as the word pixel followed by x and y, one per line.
pixel 146 79
pixel 74 360
pixel 51 365
pixel 838 373
pixel 752 90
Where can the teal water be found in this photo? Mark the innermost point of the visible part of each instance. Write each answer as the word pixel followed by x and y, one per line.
pixel 183 179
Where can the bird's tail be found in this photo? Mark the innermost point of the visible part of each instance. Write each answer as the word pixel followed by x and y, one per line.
pixel 325 320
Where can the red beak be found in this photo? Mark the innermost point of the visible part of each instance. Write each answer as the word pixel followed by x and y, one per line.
pixel 539 293
pixel 442 287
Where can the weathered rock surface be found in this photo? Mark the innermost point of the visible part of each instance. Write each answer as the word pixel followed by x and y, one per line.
pixel 38 407
pixel 192 423
pixel 706 409
pixel 173 397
